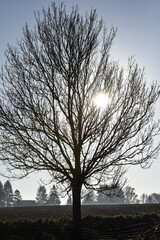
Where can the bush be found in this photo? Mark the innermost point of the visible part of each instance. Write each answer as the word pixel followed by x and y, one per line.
pixel 35 229
pixel 62 228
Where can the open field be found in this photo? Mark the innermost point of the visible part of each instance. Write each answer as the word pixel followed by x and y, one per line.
pixel 62 211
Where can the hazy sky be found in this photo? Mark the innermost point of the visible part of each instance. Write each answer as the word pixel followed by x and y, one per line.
pixel 138 23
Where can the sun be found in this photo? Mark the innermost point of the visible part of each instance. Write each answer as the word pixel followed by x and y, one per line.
pixel 101 100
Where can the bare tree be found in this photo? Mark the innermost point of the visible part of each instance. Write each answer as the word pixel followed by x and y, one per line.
pixel 114 194
pixel 130 195
pixel 89 198
pixel 48 116
pixel 143 198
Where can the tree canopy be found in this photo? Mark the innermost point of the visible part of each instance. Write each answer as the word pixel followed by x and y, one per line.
pixel 48 116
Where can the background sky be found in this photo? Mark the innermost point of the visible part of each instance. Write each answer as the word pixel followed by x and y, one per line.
pixel 138 23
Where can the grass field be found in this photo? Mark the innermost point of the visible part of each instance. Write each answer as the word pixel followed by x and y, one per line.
pixel 62 211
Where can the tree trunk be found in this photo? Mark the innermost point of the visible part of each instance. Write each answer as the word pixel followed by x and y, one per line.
pixel 76 191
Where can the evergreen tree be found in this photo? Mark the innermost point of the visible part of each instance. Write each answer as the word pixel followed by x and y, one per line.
pixel 53 196
pixel 8 194
pixel 41 195
pixel 1 195
pixel 16 198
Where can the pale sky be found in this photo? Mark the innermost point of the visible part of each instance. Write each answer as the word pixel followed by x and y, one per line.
pixel 138 23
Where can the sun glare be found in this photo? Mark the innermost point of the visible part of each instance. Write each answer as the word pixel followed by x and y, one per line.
pixel 101 100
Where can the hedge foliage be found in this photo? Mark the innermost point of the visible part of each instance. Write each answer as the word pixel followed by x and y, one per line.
pixel 39 229
pixel 102 223
pixel 49 229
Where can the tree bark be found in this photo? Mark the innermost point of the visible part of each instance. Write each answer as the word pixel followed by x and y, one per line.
pixel 77 231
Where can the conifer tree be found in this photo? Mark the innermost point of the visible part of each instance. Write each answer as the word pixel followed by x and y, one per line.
pixel 53 198
pixel 8 194
pixel 41 195
pixel 16 198
pixel 1 195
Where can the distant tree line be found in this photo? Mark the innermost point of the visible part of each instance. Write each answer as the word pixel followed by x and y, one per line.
pixel 8 198
pixel 51 199
pixel 121 196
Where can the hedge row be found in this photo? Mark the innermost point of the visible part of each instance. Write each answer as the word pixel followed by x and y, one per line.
pixel 39 229
pixel 102 223
pixel 43 229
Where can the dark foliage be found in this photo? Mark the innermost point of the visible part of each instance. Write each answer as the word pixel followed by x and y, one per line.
pixel 62 228
pixel 38 229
